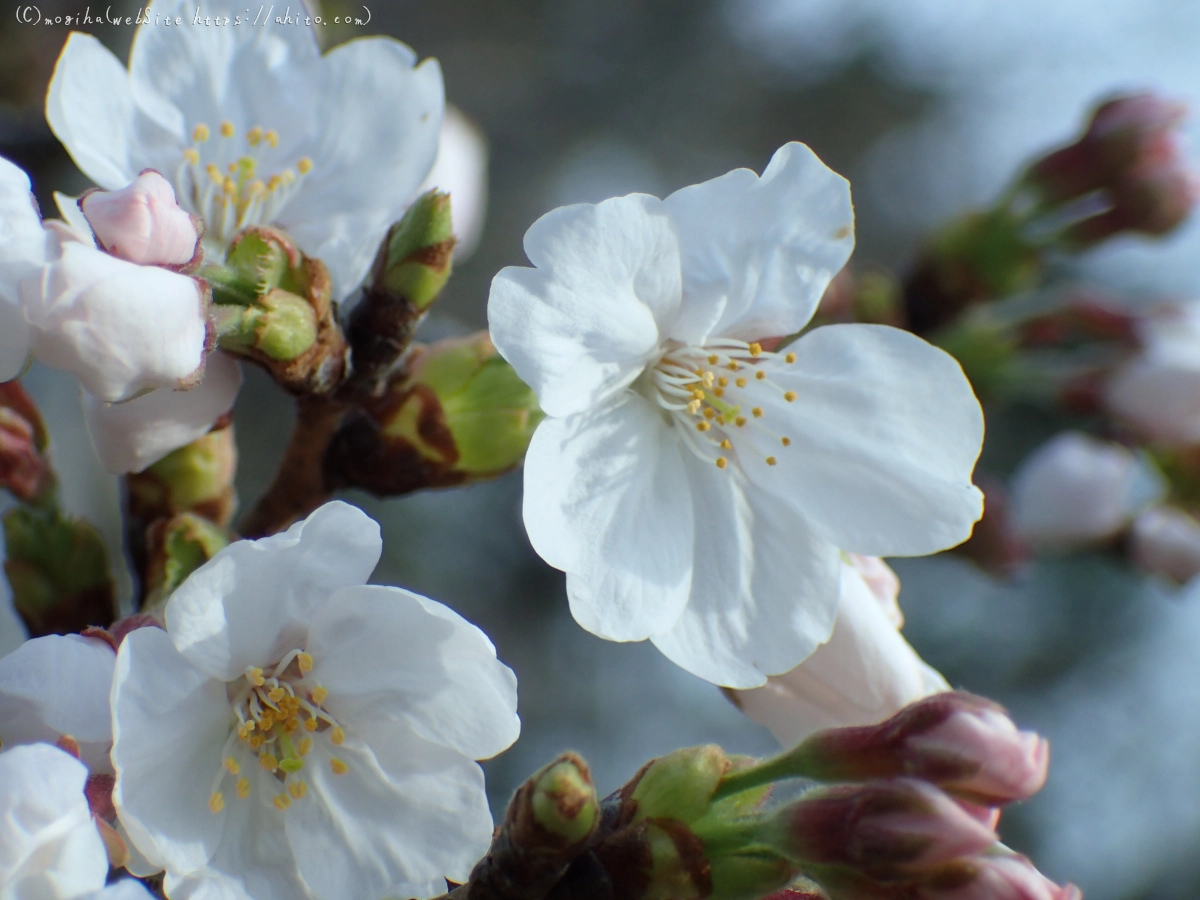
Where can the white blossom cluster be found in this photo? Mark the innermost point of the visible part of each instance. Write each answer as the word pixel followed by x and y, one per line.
pixel 705 478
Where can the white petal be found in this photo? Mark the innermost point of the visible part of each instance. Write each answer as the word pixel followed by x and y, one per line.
pixel 764 589
pixel 262 75
pixel 122 329
pixel 170 723
pixel 865 673
pixel 461 170
pixel 59 685
pixel 1158 395
pixel 885 432
pixel 398 820
pixel 68 208
pixel 130 436
pixel 758 253
pixel 379 118
pixel 584 323
pixel 253 601
pixel 386 652
pixel 22 250
pixel 49 847
pixel 91 109
pixel 606 501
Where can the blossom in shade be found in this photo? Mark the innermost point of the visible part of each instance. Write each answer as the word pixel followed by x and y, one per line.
pixel 1077 490
pixel 695 485
pixel 49 847
pixel 296 732
pixel 866 672
pixel 253 126
pixel 1165 541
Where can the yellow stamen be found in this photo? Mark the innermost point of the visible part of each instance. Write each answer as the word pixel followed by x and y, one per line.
pixel 702 426
pixel 338 767
pixel 770 460
pixel 310 724
pixel 739 421
pixel 256 674
pixel 268 762
pixel 757 412
pixel 226 129
pixel 790 396
pixel 231 765
pixel 272 138
pixel 303 746
pixel 256 741
pixel 282 802
pixel 276 694
pixel 298 789
pixel 760 375
pixel 337 735
pixel 786 441
pixel 267 721
pixel 710 413
pixel 708 378
pixel 305 662
pixel 726 444
pixel 229 187
pixel 215 174
pixel 243 787
pixel 755 349
pixel 216 802
pixel 723 381
pixel 713 359
pixel 693 407
pixel 254 136
pixel 190 156
pixel 304 165
pixel 791 358
pixel 722 462
pixel 732 367
pixel 741 382
pixel 319 694
pixel 200 133
pixel 720 392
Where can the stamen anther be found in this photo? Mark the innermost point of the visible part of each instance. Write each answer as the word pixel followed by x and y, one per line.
pixel 216 802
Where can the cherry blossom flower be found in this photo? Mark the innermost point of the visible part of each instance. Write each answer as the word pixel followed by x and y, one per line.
pixel 253 127
pixel 296 732
pixel 49 846
pixel 865 673
pixel 1076 490
pixel 694 486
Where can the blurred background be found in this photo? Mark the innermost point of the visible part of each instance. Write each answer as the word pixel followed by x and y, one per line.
pixel 928 107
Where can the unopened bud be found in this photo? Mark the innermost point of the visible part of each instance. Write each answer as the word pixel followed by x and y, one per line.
pixel 176 547
pixel 1076 490
pixel 274 305
pixel 196 478
pixel 143 223
pixel 965 744
pixel 58 570
pixel 679 785
pixel 1165 541
pixel 883 829
pixel 995 876
pixel 24 469
pixel 564 799
pixel 679 869
pixel 755 875
pixel 461 415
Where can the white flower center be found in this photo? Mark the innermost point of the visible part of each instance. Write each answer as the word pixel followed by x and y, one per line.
pixel 219 180
pixel 278 717
pixel 714 393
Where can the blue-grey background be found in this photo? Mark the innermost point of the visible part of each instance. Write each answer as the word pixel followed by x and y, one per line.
pixel 928 106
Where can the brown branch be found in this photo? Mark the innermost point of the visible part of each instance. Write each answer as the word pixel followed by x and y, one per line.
pixel 299 485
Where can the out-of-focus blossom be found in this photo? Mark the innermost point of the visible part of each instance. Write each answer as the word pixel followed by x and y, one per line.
pixel 996 876
pixel 298 732
pixel 49 847
pixel 22 244
pixel 694 486
pixel 461 170
pixel 865 673
pixel 130 436
pixel 142 223
pixel 1157 394
pixel 1166 541
pixel 25 470
pixel 58 686
pixel 331 148
pixel 1076 490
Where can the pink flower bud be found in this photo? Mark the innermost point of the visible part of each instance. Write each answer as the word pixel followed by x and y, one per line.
pixel 24 470
pixel 142 223
pixel 883 829
pixel 996 877
pixel 965 744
